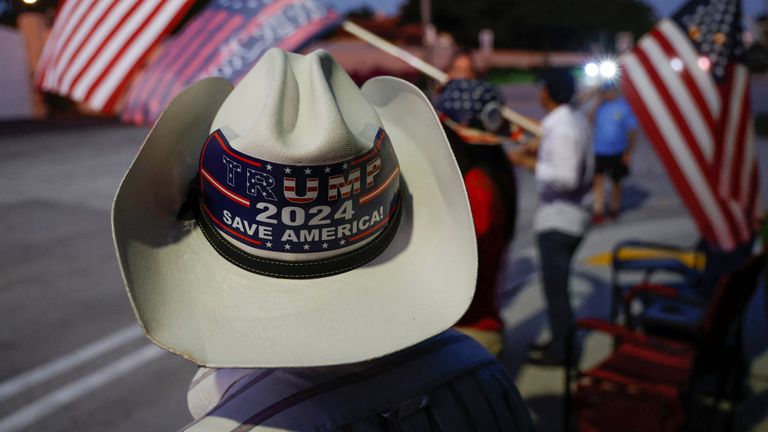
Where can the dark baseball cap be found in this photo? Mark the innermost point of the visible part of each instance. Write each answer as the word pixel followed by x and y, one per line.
pixel 559 83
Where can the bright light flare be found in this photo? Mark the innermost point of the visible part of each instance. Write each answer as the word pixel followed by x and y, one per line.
pixel 608 69
pixel 704 63
pixel 592 69
pixel 676 64
pixel 29 2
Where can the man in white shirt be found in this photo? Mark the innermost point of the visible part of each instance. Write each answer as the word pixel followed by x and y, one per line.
pixel 563 165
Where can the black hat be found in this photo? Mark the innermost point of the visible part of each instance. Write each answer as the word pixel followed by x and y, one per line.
pixel 559 83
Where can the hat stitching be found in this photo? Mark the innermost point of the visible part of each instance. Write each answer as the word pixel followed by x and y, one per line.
pixel 285 276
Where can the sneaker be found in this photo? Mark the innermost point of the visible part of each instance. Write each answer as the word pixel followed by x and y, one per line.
pixel 613 214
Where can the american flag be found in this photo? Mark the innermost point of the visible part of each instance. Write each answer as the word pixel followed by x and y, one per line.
pixel 687 82
pixel 225 39
pixel 95 46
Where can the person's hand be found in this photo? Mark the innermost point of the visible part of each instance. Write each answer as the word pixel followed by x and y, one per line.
pixel 521 158
pixel 531 146
pixel 517 156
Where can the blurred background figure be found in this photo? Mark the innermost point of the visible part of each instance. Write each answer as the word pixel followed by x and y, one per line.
pixel 469 108
pixel 615 133
pixel 462 67
pixel 562 163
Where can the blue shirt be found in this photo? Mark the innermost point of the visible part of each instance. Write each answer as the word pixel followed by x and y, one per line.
pixel 446 383
pixel 614 120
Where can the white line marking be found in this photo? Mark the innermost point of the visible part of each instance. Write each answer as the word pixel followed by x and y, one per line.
pixel 46 371
pixel 53 401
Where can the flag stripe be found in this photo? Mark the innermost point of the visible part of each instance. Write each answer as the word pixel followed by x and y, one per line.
pixel 739 164
pixel 95 46
pixel 678 104
pixel 153 71
pixel 128 55
pixel 91 46
pixel 71 49
pixel 169 76
pixel 227 48
pixel 750 163
pixel 679 180
pixel 678 91
pixel 190 71
pixel 690 57
pixel 686 74
pixel 116 39
pixel 739 219
pixel 249 28
pixel 667 100
pixel 124 61
pixel 376 192
pixel 120 90
pixel 744 156
pixel 691 92
pixel 753 199
pixel 730 127
pixel 221 188
pixel 668 140
pixel 72 13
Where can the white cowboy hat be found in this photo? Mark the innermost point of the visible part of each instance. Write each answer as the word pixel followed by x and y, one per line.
pixel 296 220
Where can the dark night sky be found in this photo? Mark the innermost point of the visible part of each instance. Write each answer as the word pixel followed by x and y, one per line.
pixel 663 7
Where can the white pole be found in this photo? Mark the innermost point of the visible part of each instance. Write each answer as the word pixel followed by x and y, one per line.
pixel 524 122
pixel 395 50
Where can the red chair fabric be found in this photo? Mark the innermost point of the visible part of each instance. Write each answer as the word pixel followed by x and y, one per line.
pixel 644 384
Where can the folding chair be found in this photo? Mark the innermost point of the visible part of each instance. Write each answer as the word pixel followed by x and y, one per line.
pixel 661 377
pixel 696 272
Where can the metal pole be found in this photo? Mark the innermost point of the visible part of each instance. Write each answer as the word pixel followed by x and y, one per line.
pixel 426 13
pixel 524 122
pixel 427 31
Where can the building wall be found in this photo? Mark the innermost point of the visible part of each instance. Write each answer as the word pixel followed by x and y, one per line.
pixel 15 85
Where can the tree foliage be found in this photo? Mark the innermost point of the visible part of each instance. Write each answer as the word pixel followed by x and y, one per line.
pixel 537 24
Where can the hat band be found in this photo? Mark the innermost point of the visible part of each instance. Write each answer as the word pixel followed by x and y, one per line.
pixel 302 269
pixel 297 221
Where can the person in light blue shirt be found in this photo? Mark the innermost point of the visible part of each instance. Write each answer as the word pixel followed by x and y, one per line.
pixel 615 133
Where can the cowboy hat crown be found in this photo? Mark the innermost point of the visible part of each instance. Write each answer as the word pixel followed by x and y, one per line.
pixel 295 220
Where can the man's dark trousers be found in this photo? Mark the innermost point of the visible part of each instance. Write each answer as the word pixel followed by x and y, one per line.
pixel 556 250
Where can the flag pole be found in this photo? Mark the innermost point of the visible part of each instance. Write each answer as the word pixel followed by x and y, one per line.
pixel 524 122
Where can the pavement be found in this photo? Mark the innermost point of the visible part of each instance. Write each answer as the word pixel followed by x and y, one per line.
pixel 66 327
pixel 72 357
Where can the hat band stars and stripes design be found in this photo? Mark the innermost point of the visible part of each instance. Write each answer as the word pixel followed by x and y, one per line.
pixel 345 212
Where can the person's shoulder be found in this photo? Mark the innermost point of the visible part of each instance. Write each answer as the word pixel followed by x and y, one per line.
pixel 556 117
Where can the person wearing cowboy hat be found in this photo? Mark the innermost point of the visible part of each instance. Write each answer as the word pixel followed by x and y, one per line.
pixel 308 243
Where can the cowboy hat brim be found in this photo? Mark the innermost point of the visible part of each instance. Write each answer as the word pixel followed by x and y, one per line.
pixel 193 302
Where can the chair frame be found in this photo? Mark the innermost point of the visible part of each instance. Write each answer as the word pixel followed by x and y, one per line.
pixel 727 305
